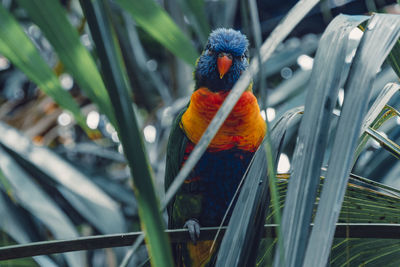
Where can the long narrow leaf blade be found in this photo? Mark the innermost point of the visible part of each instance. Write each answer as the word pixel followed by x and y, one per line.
pixel 365 252
pixel 382 33
pixel 104 213
pixel 313 136
pixel 246 221
pixel 367 202
pixel 194 11
pixel 52 20
pixel 248 216
pixel 394 58
pixel 376 115
pixel 278 131
pixel 383 98
pixel 375 204
pixel 198 7
pixel 14 224
pixel 155 21
pixel 386 143
pixel 16 46
pixel 34 199
pixel 129 133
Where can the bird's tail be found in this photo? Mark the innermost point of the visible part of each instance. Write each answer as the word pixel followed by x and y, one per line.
pixel 198 255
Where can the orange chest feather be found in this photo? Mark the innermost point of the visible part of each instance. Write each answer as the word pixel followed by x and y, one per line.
pixel 244 128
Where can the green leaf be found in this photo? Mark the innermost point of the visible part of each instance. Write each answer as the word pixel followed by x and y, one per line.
pixel 377 115
pixel 96 207
pixel 5 185
pixel 32 198
pixel 128 130
pixel 18 48
pixel 29 262
pixel 246 224
pixel 281 127
pixel 365 252
pixel 52 20
pixel 386 143
pixel 155 21
pixel 394 58
pixel 194 10
pixel 373 204
pixel 381 35
pixel 199 10
pixel 15 227
pixel 308 156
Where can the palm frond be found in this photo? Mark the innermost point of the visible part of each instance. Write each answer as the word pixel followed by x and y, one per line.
pixel 324 84
pixel 380 30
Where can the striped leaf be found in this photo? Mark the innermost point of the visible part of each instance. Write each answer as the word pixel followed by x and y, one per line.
pixel 365 201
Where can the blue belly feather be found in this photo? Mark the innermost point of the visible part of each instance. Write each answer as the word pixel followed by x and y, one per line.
pixel 216 177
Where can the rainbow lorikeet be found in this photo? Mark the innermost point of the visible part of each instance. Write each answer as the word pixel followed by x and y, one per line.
pixel 206 193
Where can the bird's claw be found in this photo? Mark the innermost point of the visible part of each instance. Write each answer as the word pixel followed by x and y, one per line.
pixel 193 227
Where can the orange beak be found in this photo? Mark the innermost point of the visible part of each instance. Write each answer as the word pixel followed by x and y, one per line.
pixel 224 62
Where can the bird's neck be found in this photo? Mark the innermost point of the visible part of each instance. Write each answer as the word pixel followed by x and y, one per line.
pixel 243 129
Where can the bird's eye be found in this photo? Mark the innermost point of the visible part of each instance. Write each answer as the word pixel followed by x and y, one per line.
pixel 210 52
pixel 243 57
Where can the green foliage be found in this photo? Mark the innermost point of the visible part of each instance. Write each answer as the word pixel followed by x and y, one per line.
pixel 129 132
pixel 394 58
pixel 111 90
pixel 16 46
pixel 155 21
pixel 382 33
pixel 26 168
pixel 388 144
pixel 39 163
pixel 378 114
pixel 5 185
pixel 199 9
pixel 5 240
pixel 323 86
pixel 361 205
pixel 38 203
pixel 52 20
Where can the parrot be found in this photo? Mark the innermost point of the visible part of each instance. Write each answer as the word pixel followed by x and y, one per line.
pixel 206 193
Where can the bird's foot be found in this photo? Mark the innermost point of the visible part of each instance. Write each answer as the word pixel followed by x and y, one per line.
pixel 193 226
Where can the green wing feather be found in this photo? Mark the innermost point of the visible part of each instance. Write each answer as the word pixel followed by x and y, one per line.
pixel 175 151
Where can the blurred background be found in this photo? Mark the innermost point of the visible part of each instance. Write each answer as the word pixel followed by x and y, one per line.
pixel 33 126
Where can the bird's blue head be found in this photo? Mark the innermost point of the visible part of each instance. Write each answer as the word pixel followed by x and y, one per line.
pixel 222 61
